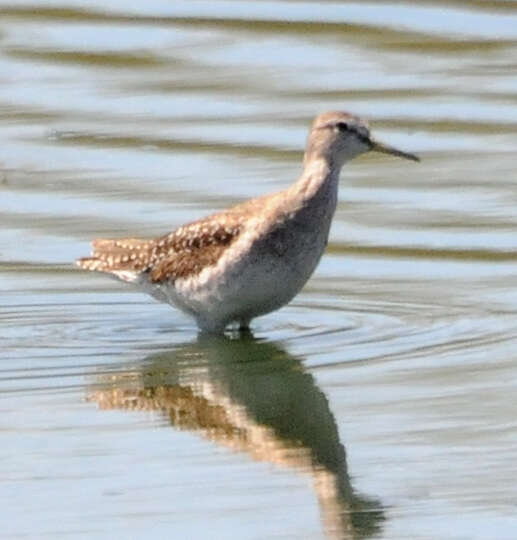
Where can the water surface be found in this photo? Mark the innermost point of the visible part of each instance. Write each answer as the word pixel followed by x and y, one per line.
pixel 380 402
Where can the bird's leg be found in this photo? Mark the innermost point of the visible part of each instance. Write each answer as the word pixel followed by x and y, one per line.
pixel 244 325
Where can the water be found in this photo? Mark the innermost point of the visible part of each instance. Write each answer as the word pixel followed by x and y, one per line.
pixel 380 403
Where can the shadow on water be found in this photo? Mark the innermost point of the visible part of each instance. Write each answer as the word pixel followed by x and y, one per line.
pixel 253 397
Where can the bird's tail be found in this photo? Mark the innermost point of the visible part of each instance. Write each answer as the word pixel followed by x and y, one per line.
pixel 125 258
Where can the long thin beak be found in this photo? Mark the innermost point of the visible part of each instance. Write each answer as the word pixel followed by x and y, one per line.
pixel 385 149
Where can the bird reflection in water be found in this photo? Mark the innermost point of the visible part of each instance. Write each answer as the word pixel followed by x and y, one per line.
pixel 252 397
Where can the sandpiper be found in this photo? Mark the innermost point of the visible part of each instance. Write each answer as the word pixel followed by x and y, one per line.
pixel 255 257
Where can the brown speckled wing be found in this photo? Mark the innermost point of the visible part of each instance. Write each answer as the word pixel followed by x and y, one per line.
pixel 191 248
pixel 182 253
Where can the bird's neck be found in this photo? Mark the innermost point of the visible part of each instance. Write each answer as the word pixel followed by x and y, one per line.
pixel 319 181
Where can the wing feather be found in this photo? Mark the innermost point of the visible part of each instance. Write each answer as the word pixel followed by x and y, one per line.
pixel 184 252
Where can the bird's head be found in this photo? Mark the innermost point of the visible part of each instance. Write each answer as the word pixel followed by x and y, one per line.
pixel 339 137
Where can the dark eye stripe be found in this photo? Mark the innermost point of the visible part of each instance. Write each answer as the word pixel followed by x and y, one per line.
pixel 347 128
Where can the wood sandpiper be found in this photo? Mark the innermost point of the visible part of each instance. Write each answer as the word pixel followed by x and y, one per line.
pixel 255 257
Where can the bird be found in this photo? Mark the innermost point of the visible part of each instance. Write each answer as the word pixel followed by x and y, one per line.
pixel 253 258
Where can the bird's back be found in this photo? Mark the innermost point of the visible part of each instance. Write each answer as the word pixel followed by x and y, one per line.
pixel 181 254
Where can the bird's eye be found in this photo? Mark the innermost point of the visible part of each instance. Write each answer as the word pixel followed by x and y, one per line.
pixel 342 127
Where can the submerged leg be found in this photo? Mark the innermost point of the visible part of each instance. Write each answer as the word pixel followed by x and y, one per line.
pixel 244 325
